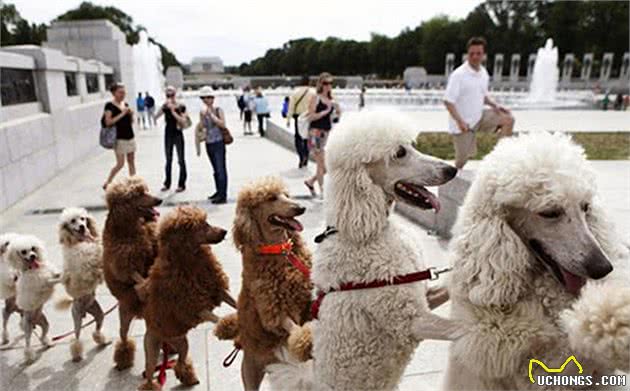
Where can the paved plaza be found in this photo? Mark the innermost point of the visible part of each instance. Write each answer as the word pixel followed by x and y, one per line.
pixel 248 158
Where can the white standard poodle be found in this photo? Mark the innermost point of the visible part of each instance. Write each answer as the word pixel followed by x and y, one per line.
pixel 538 271
pixel 82 272
pixel 364 338
pixel 34 287
pixel 8 280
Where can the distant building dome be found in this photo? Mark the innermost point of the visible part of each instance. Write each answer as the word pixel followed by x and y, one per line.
pixel 212 64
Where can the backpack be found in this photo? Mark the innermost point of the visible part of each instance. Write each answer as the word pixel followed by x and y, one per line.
pixel 241 102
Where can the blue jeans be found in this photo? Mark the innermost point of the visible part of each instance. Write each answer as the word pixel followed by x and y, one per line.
pixel 174 139
pixel 301 145
pixel 216 154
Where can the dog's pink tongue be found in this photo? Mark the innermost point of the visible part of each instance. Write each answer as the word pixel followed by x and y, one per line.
pixel 572 282
pixel 296 225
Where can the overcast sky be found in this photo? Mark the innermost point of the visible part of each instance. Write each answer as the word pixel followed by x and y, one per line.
pixel 241 30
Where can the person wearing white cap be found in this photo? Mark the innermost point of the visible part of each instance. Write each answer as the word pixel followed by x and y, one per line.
pixel 174 116
pixel 213 120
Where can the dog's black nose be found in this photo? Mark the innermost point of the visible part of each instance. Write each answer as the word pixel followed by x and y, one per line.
pixel 598 265
pixel 32 257
pixel 222 233
pixel 158 201
pixel 82 229
pixel 300 210
pixel 450 172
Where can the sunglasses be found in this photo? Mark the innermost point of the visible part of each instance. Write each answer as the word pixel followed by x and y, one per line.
pixel 170 95
pixel 207 97
pixel 327 83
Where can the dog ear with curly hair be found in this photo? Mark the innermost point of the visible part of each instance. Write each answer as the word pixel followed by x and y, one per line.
pixel 244 227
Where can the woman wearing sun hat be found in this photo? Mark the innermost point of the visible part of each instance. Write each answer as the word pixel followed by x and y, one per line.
pixel 213 119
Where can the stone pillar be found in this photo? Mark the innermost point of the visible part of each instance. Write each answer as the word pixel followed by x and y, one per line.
pixel 567 67
pixel 604 69
pixel 530 65
pixel 497 71
pixel 515 66
pixel 587 66
pixel 449 64
pixel 624 73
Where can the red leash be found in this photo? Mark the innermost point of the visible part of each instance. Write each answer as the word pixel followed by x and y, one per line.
pixel 428 274
pixel 64 335
pixel 164 366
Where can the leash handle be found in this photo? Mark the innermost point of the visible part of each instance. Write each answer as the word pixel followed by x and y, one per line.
pixel 231 357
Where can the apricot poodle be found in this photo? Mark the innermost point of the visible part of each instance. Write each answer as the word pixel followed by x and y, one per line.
pixel 275 296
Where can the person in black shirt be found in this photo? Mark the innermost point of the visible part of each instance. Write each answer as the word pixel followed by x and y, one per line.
pixel 119 114
pixel 174 115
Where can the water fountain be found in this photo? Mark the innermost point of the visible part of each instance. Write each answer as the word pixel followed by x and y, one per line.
pixel 147 66
pixel 545 78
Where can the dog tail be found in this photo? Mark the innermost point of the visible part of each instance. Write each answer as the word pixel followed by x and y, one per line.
pixel 63 304
pixel 227 328
pixel 289 373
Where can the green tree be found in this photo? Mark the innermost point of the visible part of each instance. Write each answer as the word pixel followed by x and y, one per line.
pixel 16 31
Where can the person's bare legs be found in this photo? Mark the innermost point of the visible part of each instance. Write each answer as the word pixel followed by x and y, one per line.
pixel 131 163
pixel 120 162
pixel 319 169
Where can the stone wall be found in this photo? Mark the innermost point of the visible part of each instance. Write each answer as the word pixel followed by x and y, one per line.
pixel 39 139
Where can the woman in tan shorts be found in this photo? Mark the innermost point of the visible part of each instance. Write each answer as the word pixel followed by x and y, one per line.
pixel 321 107
pixel 119 114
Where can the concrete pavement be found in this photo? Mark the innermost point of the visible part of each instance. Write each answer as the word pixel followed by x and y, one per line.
pixel 248 158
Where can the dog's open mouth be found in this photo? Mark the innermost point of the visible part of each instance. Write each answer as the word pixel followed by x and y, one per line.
pixel 32 263
pixel 571 282
pixel 417 195
pixel 288 223
pixel 151 214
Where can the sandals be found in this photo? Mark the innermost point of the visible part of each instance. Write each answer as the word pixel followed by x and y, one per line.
pixel 311 188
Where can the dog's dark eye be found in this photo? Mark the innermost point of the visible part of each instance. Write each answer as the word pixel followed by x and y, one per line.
pixel 33 248
pixel 401 152
pixel 73 221
pixel 23 252
pixel 586 207
pixel 551 214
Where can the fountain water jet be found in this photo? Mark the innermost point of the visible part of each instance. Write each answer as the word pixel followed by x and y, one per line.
pixel 545 77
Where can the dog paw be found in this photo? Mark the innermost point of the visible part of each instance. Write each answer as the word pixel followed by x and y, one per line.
pixel 76 350
pixel 46 342
pixel 598 324
pixel 150 385
pixel 124 354
pixel 29 355
pixel 300 342
pixel 185 372
pixel 100 338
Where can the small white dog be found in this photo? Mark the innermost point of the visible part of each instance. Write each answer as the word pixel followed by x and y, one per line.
pixel 82 272
pixel 34 287
pixel 8 280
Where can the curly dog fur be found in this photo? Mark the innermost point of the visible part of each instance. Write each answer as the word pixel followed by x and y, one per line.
pixel 129 250
pixel 185 284
pixel 364 339
pixel 518 308
pixel 273 294
pixel 8 279
pixel 82 272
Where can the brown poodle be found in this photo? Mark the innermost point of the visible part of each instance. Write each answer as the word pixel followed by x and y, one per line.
pixel 185 284
pixel 129 249
pixel 275 296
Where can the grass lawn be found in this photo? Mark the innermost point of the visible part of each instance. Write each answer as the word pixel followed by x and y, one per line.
pixel 598 145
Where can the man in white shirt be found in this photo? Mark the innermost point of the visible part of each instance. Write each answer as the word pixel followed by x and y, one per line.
pixel 466 94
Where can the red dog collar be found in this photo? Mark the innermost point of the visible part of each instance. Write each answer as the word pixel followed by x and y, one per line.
pixel 285 249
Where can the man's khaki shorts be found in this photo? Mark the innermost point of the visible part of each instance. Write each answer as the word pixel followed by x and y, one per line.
pixel 466 143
